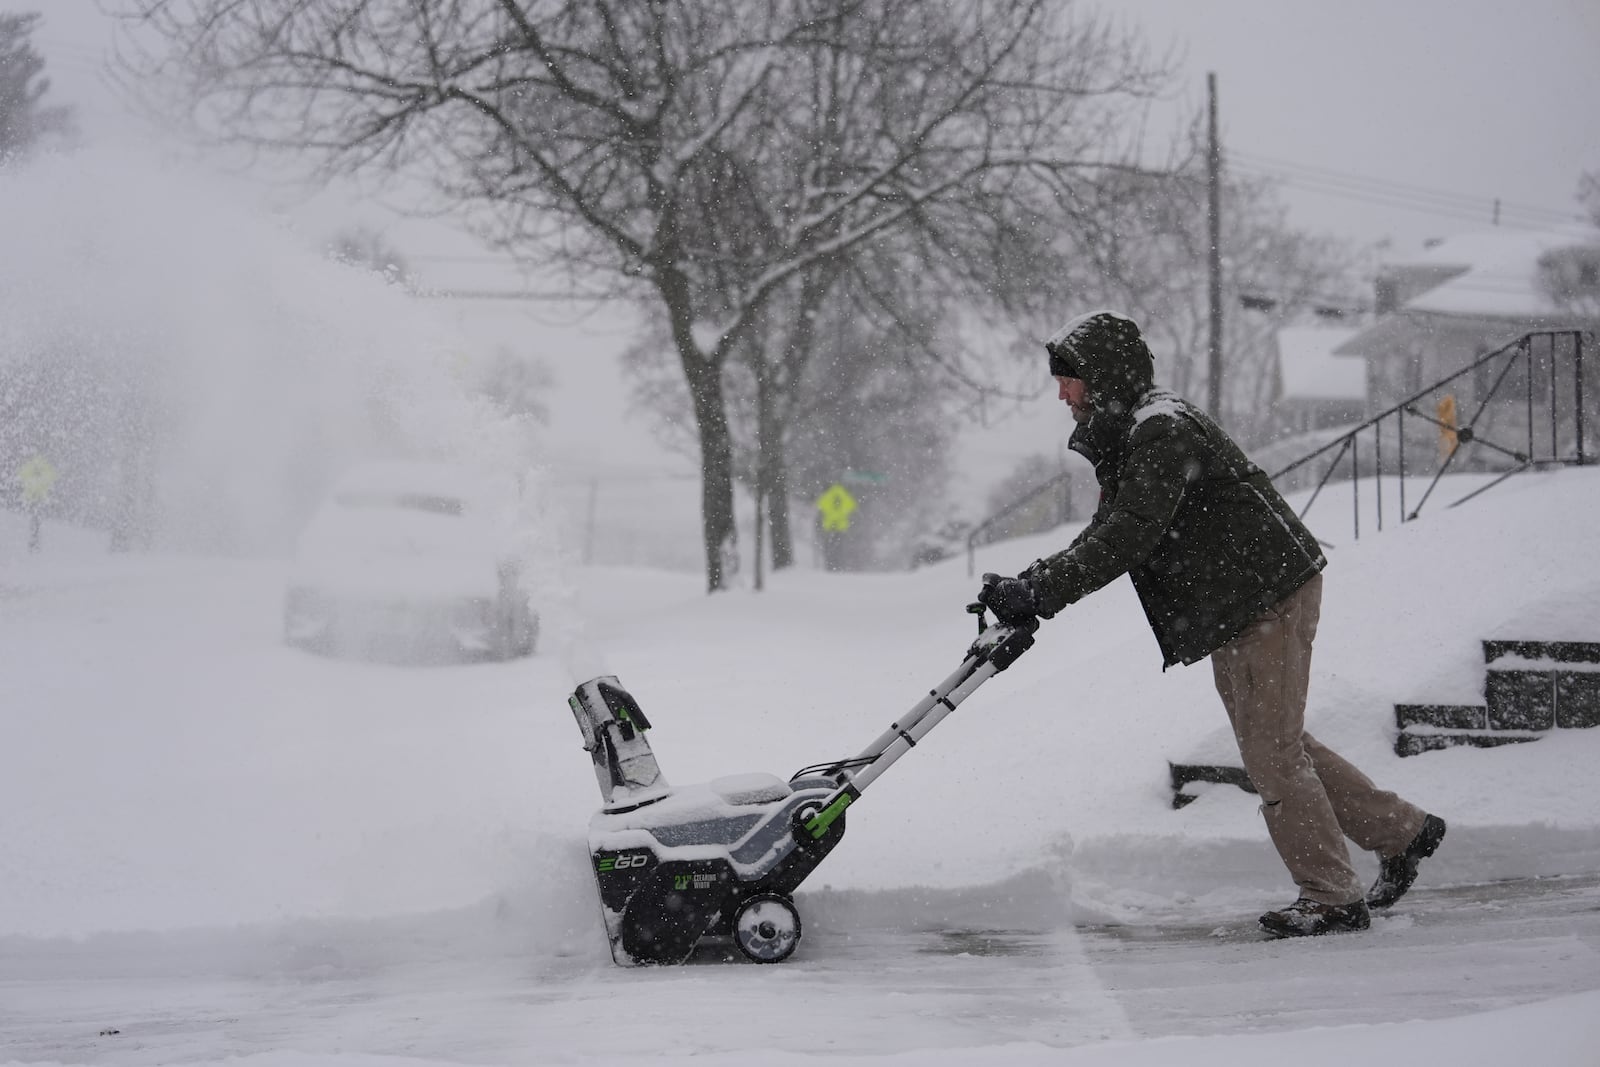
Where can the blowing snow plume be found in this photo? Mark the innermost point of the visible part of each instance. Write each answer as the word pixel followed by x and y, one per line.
pixel 194 372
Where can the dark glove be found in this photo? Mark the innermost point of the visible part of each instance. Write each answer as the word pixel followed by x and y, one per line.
pixel 1031 574
pixel 1012 600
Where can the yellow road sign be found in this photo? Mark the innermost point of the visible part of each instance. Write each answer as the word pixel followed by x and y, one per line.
pixel 836 504
pixel 37 476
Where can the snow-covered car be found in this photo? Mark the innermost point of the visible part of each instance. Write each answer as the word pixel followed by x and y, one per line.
pixel 411 557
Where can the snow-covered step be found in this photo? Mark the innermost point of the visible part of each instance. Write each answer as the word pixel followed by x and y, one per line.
pixel 1185 774
pixel 1519 699
pixel 1577 699
pixel 1539 684
pixel 1529 687
pixel 1538 699
pixel 1543 652
pixel 1420 739
pixel 1444 716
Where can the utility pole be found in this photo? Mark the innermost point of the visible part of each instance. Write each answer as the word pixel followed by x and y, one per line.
pixel 1214 218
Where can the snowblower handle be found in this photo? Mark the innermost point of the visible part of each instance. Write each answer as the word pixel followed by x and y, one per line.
pixel 995 649
pixel 980 605
pixel 1001 645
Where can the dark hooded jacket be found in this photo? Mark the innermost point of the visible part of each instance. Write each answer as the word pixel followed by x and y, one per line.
pixel 1205 537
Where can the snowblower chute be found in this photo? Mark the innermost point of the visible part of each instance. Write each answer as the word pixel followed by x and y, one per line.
pixel 720 861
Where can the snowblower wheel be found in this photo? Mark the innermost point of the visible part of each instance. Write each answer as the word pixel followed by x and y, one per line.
pixel 766 928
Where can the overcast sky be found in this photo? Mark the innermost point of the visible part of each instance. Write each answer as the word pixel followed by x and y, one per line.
pixel 1400 120
pixel 1374 108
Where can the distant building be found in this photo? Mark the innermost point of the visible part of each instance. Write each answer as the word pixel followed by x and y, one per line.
pixel 1469 295
pixel 1315 388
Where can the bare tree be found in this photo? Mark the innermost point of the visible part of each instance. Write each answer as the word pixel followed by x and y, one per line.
pixel 587 133
pixel 1589 194
pixel 900 338
pixel 1570 278
pixel 1144 249
pixel 978 248
pixel 25 119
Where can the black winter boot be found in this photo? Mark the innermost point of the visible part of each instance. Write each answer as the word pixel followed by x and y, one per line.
pixel 1398 872
pixel 1308 918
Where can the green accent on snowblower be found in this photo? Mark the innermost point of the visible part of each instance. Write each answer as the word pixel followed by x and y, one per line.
pixel 818 824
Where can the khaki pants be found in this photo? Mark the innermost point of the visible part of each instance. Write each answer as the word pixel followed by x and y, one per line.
pixel 1311 797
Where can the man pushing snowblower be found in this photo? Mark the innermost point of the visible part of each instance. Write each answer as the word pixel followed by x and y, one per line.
pixel 1224 568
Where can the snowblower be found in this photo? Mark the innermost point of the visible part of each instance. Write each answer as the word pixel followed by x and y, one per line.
pixel 680 866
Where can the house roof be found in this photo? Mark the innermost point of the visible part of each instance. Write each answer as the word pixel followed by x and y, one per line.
pixel 1500 276
pixel 1404 331
pixel 1310 370
pixel 1496 294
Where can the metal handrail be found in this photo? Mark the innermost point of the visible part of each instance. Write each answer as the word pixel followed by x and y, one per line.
pixel 1010 509
pixel 1348 443
pixel 1462 435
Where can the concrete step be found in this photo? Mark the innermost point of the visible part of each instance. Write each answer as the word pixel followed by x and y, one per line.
pixel 1416 742
pixel 1519 699
pixel 1552 652
pixel 1577 699
pixel 1222 774
pixel 1446 716
pixel 1539 699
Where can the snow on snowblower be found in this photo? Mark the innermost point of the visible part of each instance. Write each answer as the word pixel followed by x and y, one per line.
pixel 719 861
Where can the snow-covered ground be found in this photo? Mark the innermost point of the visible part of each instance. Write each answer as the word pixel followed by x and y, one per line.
pixel 222 848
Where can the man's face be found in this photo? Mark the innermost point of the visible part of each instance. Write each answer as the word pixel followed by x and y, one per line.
pixel 1076 394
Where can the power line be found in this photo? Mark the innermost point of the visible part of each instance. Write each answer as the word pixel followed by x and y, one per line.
pixel 1269 161
pixel 1479 213
pixel 1484 215
pixel 1397 194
